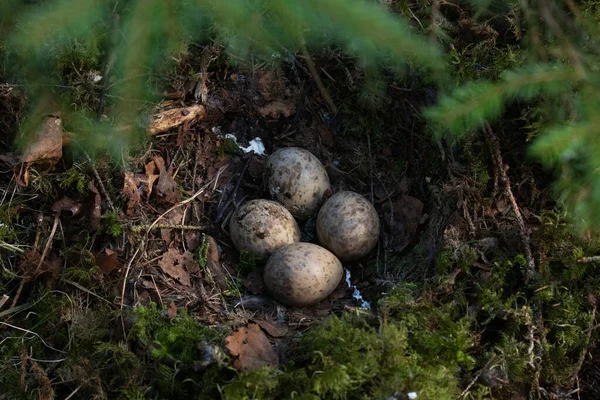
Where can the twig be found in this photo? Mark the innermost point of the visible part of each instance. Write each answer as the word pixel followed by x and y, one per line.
pixel 148 227
pixel 48 244
pixel 73 392
pixel 502 168
pixel 40 263
pixel 315 75
pixel 125 279
pixel 592 300
pixel 198 193
pixel 470 385
pixel 100 183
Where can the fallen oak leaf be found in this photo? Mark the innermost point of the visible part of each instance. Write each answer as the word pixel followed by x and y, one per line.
pixel 177 265
pixel 250 348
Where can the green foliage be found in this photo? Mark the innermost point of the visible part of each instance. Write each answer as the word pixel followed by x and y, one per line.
pixel 559 86
pixel 57 44
pixel 467 107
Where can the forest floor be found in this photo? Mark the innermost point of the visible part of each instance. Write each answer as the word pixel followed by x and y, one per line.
pixel 119 279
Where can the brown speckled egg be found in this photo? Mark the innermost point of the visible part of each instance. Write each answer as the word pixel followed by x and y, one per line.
pixel 297 179
pixel 302 274
pixel 348 226
pixel 260 227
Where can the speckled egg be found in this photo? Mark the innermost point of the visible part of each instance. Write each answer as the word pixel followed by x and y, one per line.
pixel 302 274
pixel 260 227
pixel 348 225
pixel 298 180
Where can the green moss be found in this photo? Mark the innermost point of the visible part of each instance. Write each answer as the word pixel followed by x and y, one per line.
pixel 176 339
pixel 482 61
pixel 111 224
pixel 413 347
pixel 73 178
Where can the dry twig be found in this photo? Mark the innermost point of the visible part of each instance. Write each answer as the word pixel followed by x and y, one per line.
pixel 502 168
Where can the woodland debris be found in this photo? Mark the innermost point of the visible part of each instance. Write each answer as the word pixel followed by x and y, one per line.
pixel 279 107
pixel 250 348
pixel 66 204
pixel 167 119
pixel 96 209
pixel 130 191
pixel 45 143
pixel 213 265
pixel 273 330
pixel 166 185
pixel 108 261
pixel 178 266
pixel 44 390
pixel 151 176
pixel 502 169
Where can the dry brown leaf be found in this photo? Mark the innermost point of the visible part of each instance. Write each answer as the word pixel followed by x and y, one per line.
pixel 96 210
pixel 250 348
pixel 192 239
pixel 272 330
pixel 130 191
pixel 167 119
pixel 279 107
pixel 166 185
pixel 108 261
pixel 151 176
pixel 66 204
pixel 46 142
pixel 178 265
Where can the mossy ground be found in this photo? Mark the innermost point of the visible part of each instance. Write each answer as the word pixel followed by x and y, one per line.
pixel 454 313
